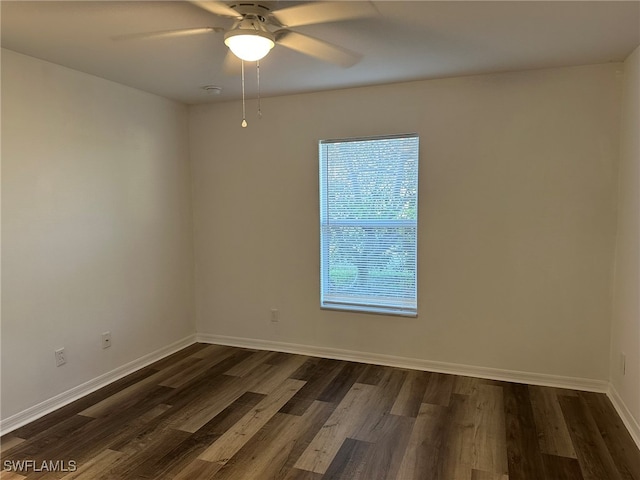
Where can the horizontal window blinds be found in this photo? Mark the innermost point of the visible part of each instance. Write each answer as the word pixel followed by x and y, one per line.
pixel 368 220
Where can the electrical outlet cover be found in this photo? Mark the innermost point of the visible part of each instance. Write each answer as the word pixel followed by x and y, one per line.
pixel 61 359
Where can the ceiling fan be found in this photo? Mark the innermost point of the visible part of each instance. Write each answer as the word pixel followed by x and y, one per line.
pixel 257 28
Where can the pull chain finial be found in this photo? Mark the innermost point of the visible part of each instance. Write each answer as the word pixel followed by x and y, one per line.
pixel 244 120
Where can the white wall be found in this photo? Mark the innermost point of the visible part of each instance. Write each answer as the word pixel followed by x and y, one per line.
pixel 625 336
pixel 517 223
pixel 96 227
pixel 518 181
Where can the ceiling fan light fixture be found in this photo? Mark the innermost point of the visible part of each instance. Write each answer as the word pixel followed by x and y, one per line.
pixel 249 41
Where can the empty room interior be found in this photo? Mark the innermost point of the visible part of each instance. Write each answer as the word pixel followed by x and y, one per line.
pixel 402 244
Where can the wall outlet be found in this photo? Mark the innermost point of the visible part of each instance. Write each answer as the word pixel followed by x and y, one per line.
pixel 275 315
pixel 61 358
pixel 623 364
pixel 106 339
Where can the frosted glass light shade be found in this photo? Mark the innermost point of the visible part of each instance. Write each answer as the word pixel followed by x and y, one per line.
pixel 248 46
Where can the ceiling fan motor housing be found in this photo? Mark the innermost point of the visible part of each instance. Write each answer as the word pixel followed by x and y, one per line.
pixel 257 10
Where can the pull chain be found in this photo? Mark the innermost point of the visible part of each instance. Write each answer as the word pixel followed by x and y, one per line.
pixel 258 74
pixel 244 120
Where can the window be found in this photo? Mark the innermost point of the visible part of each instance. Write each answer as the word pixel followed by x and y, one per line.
pixel 368 224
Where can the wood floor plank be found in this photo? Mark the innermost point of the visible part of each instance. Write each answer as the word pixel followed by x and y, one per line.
pixel 9 441
pixel 206 378
pixel 561 468
pixel 98 467
pixel 317 381
pixel 144 437
pixel 213 350
pixel 273 450
pixel 439 389
pixel 459 441
pixel 309 368
pixel 489 450
pixel 236 437
pixel 523 451
pixel 217 395
pixel 373 374
pixel 379 404
pixel 243 368
pixel 562 391
pixel 186 452
pixel 212 374
pixel 97 434
pixel 553 435
pixel 383 459
pixel 615 435
pixel 147 453
pixel 348 462
pixel 342 383
pixel 466 385
pixel 148 416
pixel 480 475
pixel 97 440
pixel 9 475
pixel 198 469
pixel 188 374
pixel 277 374
pixel 42 443
pixel 426 446
pixel 325 445
pixel 296 474
pixel 593 455
pixel 279 358
pixel 445 441
pixel 132 392
pixel 410 396
pixel 171 360
pixel 51 420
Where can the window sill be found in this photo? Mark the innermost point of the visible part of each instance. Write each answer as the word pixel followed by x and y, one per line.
pixel 371 310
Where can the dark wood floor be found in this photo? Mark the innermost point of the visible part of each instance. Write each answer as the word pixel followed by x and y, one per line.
pixel 228 413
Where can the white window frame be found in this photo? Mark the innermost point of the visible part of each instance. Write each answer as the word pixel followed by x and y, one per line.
pixel 380 304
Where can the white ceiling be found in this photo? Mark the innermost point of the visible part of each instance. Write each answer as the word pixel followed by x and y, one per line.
pixel 407 41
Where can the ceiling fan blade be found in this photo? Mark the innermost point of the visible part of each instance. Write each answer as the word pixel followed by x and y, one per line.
pixel 231 65
pixel 317 48
pixel 323 12
pixel 217 8
pixel 180 32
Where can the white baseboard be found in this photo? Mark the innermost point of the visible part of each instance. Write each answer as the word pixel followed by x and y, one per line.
pixel 586 384
pixel 625 414
pixel 33 413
